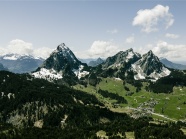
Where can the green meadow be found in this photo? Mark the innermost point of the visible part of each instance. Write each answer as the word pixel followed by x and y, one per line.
pixel 169 106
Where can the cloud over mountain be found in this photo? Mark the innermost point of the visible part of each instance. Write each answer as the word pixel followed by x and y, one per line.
pixel 21 47
pixel 99 49
pixel 174 52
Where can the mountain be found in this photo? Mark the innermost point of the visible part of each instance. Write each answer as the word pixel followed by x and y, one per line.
pixel 35 108
pixel 96 62
pixel 86 60
pixel 36 105
pixel 172 65
pixel 2 67
pixel 121 59
pixel 132 66
pixel 20 63
pixel 61 62
pixel 149 66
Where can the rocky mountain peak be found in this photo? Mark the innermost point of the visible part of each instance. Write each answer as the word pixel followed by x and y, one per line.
pixel 62 47
pixel 130 50
pixel 121 58
pixel 61 62
pixel 150 65
pixel 150 52
pixel 60 58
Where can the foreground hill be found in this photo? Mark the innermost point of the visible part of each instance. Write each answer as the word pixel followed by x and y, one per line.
pixel 47 110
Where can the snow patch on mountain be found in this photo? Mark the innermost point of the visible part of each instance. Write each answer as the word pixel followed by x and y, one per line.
pixel 140 75
pixel 12 56
pixel 79 73
pixel 47 74
pixel 130 55
pixel 154 75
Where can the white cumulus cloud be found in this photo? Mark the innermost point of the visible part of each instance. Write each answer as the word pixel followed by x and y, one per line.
pixel 148 19
pixel 21 47
pixel 129 40
pixel 172 36
pixel 174 52
pixel 99 48
pixel 43 52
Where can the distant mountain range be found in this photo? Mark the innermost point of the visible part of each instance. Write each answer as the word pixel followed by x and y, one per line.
pixel 20 63
pixel 2 67
pixel 95 62
pixel 63 57
pixel 172 65
pixel 48 103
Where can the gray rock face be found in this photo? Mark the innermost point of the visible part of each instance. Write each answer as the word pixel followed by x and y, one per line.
pixel 61 64
pixel 150 63
pixel 149 66
pixel 60 58
pixel 121 59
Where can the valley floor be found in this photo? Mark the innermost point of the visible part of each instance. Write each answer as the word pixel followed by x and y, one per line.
pixel 166 107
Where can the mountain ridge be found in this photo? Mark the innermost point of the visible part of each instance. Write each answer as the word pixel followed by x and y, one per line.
pixel 20 63
pixel 172 65
pixel 95 62
pixel 62 62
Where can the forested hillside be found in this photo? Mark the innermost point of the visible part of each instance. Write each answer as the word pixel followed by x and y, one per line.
pixel 36 108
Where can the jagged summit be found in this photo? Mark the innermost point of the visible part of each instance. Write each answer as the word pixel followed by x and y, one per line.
pixel 122 57
pixel 130 50
pixel 61 62
pixel 150 66
pixel 150 52
pixel 60 58
pixel 62 47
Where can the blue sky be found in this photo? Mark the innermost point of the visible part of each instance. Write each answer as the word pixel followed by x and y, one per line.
pixel 93 28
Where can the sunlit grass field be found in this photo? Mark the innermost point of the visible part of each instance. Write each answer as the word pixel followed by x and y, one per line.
pixel 170 105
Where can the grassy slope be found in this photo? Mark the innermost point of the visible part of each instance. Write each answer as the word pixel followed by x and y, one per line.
pixel 172 104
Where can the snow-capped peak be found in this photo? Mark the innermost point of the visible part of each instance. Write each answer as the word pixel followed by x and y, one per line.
pixel 61 61
pixel 14 56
